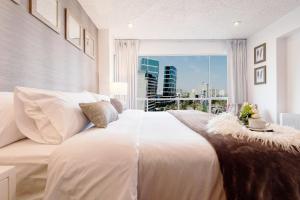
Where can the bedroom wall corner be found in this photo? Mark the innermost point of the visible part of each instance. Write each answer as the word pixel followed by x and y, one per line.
pixel 281 54
pixel 268 96
pixel 292 97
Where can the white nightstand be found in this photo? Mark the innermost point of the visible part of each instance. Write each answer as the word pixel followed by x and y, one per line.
pixel 7 183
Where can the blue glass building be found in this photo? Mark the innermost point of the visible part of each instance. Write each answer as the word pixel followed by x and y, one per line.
pixel 170 77
pixel 150 68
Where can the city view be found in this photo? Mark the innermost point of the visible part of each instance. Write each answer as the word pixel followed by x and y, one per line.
pixel 182 82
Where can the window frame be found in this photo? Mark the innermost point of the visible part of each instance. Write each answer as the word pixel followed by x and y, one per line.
pixel 209 98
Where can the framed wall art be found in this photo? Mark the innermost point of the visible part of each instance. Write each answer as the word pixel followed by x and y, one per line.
pixel 260 75
pixel 47 11
pixel 260 53
pixel 89 45
pixel 73 30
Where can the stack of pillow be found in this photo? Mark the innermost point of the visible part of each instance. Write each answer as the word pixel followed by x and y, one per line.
pixel 50 117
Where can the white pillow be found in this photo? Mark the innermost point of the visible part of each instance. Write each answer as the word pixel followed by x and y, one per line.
pixel 100 97
pixel 9 132
pixel 49 117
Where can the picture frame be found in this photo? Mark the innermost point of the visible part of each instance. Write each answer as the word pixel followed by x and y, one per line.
pixel 48 12
pixel 16 1
pixel 89 45
pixel 260 53
pixel 73 30
pixel 260 75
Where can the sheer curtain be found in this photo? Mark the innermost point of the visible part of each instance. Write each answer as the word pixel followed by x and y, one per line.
pixel 125 70
pixel 237 71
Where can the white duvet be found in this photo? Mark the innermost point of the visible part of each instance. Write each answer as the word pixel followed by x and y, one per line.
pixel 141 156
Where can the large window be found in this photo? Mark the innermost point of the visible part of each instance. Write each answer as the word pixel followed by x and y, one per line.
pixel 182 82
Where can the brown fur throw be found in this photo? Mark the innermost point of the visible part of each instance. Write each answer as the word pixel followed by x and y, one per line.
pixel 251 171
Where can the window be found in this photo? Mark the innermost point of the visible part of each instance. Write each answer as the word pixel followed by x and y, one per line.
pixel 182 82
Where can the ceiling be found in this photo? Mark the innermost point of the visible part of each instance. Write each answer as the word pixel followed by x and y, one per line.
pixel 185 19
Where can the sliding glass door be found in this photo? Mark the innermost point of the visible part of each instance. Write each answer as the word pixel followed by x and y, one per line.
pixel 182 82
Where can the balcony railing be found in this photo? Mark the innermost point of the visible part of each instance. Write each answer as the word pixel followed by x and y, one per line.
pixel 214 105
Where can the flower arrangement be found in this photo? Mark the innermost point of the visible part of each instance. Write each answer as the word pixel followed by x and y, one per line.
pixel 248 111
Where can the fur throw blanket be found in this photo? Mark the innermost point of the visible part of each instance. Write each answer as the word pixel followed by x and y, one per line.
pixel 251 170
pixel 286 138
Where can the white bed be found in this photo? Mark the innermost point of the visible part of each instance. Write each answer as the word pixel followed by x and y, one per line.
pixel 141 156
pixel 31 160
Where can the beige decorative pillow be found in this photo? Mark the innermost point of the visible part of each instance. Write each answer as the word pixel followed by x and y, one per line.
pixel 118 105
pixel 100 113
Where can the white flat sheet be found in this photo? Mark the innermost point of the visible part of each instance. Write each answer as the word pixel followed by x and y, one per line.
pixel 176 163
pixel 31 161
pixel 97 163
pixel 145 156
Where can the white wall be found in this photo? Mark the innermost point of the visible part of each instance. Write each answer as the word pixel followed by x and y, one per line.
pixel 268 96
pixel 281 75
pixel 182 47
pixel 293 73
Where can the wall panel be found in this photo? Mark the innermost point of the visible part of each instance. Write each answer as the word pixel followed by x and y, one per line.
pixel 33 55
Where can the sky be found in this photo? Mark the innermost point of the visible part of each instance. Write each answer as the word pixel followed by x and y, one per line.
pixel 193 70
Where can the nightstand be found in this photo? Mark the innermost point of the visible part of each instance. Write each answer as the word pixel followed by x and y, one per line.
pixel 7 183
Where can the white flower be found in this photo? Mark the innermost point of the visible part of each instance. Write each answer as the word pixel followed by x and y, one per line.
pixel 245 104
pixel 254 110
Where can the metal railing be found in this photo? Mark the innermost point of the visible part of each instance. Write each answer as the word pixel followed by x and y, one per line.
pixel 178 100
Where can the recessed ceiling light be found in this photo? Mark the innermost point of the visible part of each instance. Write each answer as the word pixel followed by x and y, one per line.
pixel 130 25
pixel 237 23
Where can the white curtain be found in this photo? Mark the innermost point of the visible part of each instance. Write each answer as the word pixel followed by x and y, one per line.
pixel 125 70
pixel 237 71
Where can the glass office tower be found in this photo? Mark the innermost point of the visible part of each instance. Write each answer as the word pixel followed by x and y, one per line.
pixel 149 71
pixel 170 76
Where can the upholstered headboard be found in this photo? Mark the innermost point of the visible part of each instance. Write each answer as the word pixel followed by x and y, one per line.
pixel 33 55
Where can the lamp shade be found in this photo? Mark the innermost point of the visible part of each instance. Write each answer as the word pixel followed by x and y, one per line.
pixel 118 88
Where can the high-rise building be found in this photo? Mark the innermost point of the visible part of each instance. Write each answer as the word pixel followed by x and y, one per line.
pixel 149 72
pixel 214 92
pixel 203 90
pixel 170 77
pixel 193 93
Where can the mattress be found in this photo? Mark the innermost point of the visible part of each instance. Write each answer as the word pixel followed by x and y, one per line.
pixel 31 161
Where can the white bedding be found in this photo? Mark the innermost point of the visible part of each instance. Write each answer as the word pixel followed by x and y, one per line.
pixel 30 159
pixel 141 156
pixel 98 163
pixel 176 163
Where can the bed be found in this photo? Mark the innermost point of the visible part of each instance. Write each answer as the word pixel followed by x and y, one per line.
pixel 169 156
pixel 140 156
